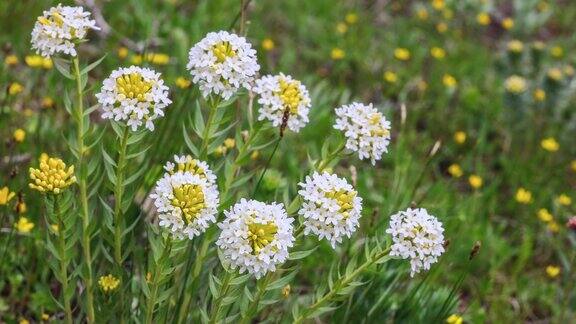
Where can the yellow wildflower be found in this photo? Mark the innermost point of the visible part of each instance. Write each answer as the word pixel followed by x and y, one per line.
pixel 442 27
pixel 183 83
pixel 515 84
pixel 136 59
pixel 454 319
pixel 523 196
pixel 390 77
pixel 449 81
pixel 553 227
pixel 158 58
pixel 402 54
pixel 122 52
pixel 23 321
pixel 229 143
pixel 286 291
pixel 550 144
pixel 515 46
pixel 108 283
pixel 475 181
pixel 455 170
pixel 53 176
pixel 557 51
pixel 15 88
pixel 507 23
pixel 539 95
pixel 483 19
pixel 37 61
pixel 564 200
pixel 422 14
pixel 573 165
pixel 351 18
pixel 267 44
pixel 447 14
pixel 555 74
pixel 543 6
pixel 438 4
pixel 255 155
pixel 23 225
pixel 45 317
pixel 337 54
pixel 19 135
pixel 55 228
pixel 552 271
pixel 11 60
pixel 544 215
pixel 21 207
pixel 460 137
pixel 6 195
pixel 438 53
pixel 569 70
pixel 341 28
pixel 47 102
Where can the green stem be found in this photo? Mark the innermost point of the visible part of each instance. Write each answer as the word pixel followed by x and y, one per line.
pixel 266 166
pixel 260 290
pixel 63 260
pixel 215 311
pixel 206 134
pixel 157 272
pixel 343 282
pixel 82 184
pixel 324 163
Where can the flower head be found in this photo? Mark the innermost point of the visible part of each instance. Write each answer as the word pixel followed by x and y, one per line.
pixel 59 29
pixel 267 44
pixel 550 144
pixel 438 53
pixel 15 88
pixel 135 95
pixel 52 176
pixel 186 197
pixel 460 137
pixel 417 236
pixel 108 283
pixel 23 225
pixel 564 200
pixel 515 46
pixel 449 81
pixel 539 95
pixel 337 53
pixel 255 236
pixel 545 216
pixel 454 319
pixel 367 131
pixel 19 135
pixel 508 23
pixel 281 95
pixel 455 170
pixel 402 54
pixel 6 195
pixel 523 196
pixel 475 181
pixel 552 271
pixel 483 19
pixel 515 84
pixel 331 207
pixel 221 63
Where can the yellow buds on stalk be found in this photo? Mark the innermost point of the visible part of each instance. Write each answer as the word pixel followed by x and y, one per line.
pixel 6 195
pixel 108 283
pixel 52 177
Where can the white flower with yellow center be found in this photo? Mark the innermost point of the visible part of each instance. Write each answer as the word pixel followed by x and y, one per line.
pixel 186 197
pixel 59 29
pixel 417 236
pixel 221 63
pixel 280 97
pixel 135 95
pixel 255 236
pixel 367 131
pixel 331 207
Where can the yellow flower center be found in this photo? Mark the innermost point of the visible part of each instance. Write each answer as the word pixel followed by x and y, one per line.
pixel 378 130
pixel 52 175
pixel 261 235
pixel 133 86
pixel 54 18
pixel 108 283
pixel 191 166
pixel 290 95
pixel 222 51
pixel 345 200
pixel 190 200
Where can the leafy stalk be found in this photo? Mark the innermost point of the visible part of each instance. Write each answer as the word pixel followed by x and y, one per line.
pixel 63 270
pixel 260 290
pixel 157 276
pixel 215 310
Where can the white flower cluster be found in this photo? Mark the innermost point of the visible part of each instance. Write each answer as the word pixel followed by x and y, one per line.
pixel 255 236
pixel 280 94
pixel 186 197
pixel 417 236
pixel 135 95
pixel 367 131
pixel 331 207
pixel 59 29
pixel 221 63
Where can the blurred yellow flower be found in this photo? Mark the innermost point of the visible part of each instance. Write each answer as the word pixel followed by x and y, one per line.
pixel 55 228
pixel 553 227
pixel 47 102
pixel 438 4
pixel 402 54
pixel 21 207
pixel 422 14
pixel 37 61
pixel 550 144
pixel 515 46
pixel 422 85
pixel 255 155
pixel 351 18
pixel 183 83
pixel 337 54
pixel 122 52
pixel 454 319
pixel 27 112
pixel 569 70
pixel 390 77
pixel 460 137
pixel 515 84
pixel 136 59
pixel 6 195
pixel 538 46
pixel 23 321
pixel 455 170
pixel 552 271
pixel 539 95
pixel 438 53
pixel 564 200
pixel 19 135
pixel 543 6
pixel 442 27
pixel 573 165
pixel 158 58
pixel 286 291
pixel 483 19
pixel 544 215
pixel 507 23
pixel 108 283
pixel 15 88
pixel 11 60
pixel 555 74
pixel 341 28
pixel 449 81
pixel 523 196
pixel 475 181
pixel 45 317
pixel 557 52
pixel 448 14
pixel 23 225
pixel 267 44
pixel 229 143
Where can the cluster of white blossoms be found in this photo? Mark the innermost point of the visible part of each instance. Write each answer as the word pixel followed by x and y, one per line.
pixel 186 197
pixel 255 236
pixel 331 207
pixel 367 131
pixel 417 236
pixel 280 97
pixel 59 29
pixel 135 95
pixel 221 63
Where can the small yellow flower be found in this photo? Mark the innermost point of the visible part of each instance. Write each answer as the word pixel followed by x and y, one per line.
pixel 550 144
pixel 19 135
pixel 515 84
pixel 539 95
pixel 28 112
pixel 351 18
pixel 286 291
pixel 122 52
pixel 55 228
pixel 442 27
pixel 47 63
pixel 544 215
pixel 455 170
pixel 21 207
pixel 24 225
pixel 460 137
pixel 11 60
pixel 45 317
pixel 553 227
pixel 557 52
pixel 483 19
pixel 564 200
pixel 229 143
pixel 449 81
pixel 255 155
pixel 475 181
pixel 569 70
pixel 158 58
pixel 220 150
pixel 523 196
pixel 438 4
pixel 52 177
pixel 183 83
pixel 552 271
pixel 267 44
pixel 438 53
pixel 422 14
pixel 37 61
pixel 390 77
pixel 447 14
pixel 341 28
pixel 555 74
pixel 47 102
pixel 23 321
pixel 538 46
pixel 402 54
pixel 6 195
pixel 15 88
pixel 337 54
pixel 136 59
pixel 454 319
pixel 515 46
pixel 108 283
pixel 573 165
pixel 507 23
